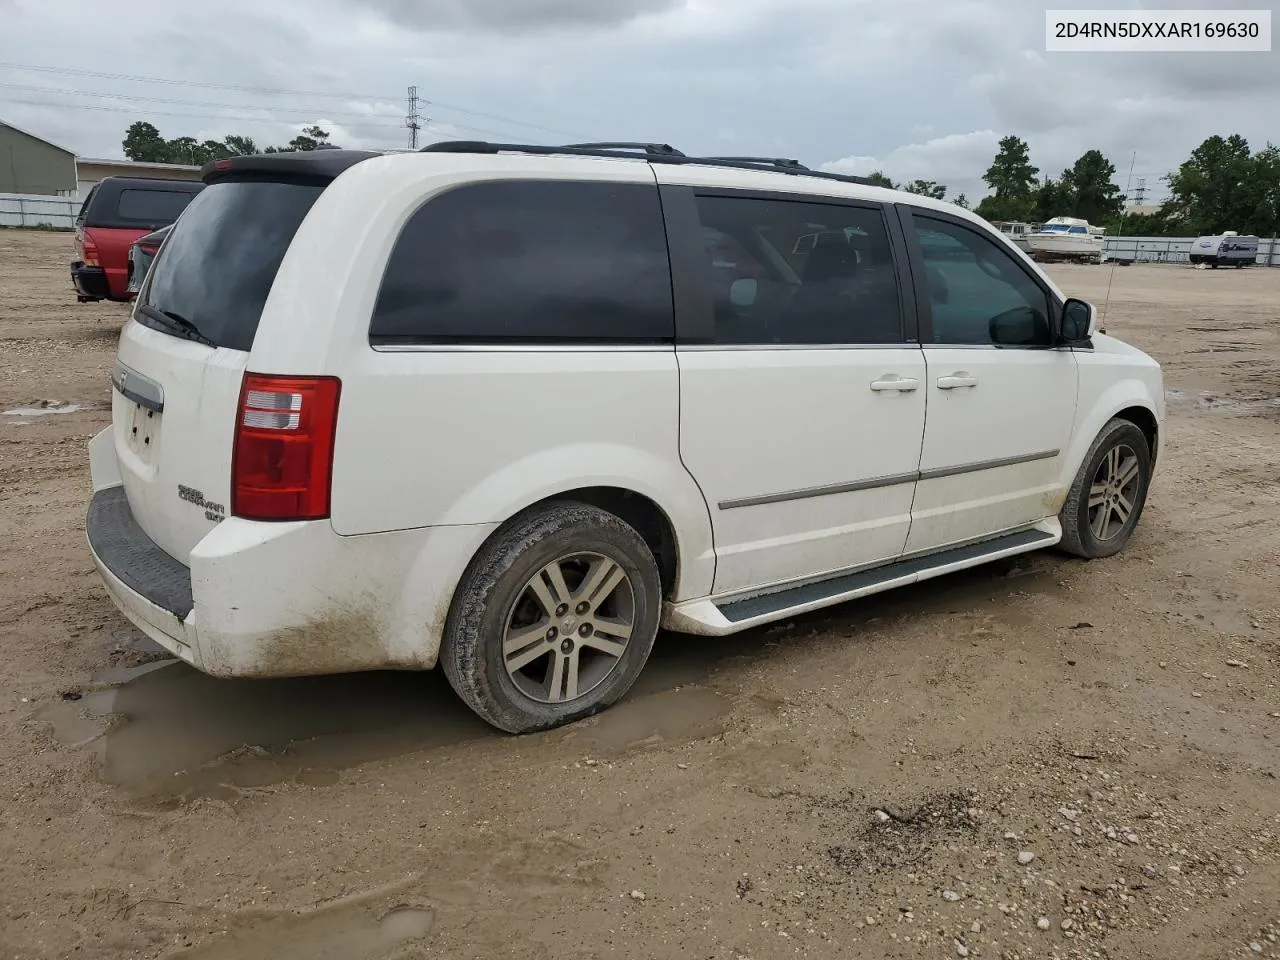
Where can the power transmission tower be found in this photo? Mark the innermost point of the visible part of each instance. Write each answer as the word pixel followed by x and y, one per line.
pixel 413 120
pixel 1140 191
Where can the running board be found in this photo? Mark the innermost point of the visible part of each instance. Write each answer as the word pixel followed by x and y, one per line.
pixel 707 617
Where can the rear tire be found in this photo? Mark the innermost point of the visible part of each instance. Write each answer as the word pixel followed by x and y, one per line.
pixel 554 619
pixel 1107 497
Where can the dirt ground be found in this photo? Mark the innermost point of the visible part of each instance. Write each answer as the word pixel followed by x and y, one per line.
pixel 1041 758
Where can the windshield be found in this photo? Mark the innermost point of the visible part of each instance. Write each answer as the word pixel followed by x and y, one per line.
pixel 218 263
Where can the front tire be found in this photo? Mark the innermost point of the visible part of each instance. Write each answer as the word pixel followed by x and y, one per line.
pixel 1106 500
pixel 554 619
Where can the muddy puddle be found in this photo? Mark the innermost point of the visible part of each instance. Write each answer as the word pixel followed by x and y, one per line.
pixel 164 731
pixel 1215 402
pixel 349 930
pixel 45 407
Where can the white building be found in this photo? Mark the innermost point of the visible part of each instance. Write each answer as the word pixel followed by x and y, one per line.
pixel 91 171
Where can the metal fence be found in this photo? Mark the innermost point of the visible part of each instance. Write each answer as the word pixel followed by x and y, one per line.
pixel 1176 250
pixel 25 210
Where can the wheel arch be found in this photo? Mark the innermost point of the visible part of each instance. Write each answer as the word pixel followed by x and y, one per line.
pixel 644 515
pixel 641 512
pixel 1145 420
pixel 637 485
pixel 1127 399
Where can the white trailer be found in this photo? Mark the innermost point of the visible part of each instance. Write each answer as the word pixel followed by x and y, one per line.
pixel 1228 249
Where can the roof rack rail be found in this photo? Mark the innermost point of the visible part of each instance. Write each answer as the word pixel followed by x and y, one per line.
pixel 653 153
pixel 589 149
pixel 662 149
pixel 764 161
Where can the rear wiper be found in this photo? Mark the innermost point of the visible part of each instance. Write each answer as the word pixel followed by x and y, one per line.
pixel 178 323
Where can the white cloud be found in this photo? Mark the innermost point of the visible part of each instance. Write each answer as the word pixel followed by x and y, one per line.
pixel 919 88
pixel 957 160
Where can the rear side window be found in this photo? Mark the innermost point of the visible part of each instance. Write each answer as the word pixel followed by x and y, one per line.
pixel 84 207
pixel 157 207
pixel 218 264
pixel 799 272
pixel 530 261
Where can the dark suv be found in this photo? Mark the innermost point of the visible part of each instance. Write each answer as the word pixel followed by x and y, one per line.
pixel 117 212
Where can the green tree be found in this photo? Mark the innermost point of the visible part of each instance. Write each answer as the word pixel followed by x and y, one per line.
pixel 1011 174
pixel 996 209
pixel 1211 189
pixel 213 150
pixel 961 201
pixel 1094 197
pixel 142 141
pixel 238 146
pixel 185 150
pixel 880 180
pixel 1262 194
pixel 1158 224
pixel 311 138
pixel 1054 198
pixel 928 188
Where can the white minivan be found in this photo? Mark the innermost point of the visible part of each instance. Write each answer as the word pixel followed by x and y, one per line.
pixel 511 409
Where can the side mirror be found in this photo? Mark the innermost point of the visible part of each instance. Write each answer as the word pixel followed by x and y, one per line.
pixel 1079 321
pixel 742 292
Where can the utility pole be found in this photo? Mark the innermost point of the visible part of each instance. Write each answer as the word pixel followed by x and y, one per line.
pixel 413 120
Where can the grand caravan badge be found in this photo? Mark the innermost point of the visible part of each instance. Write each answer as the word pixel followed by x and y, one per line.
pixel 212 511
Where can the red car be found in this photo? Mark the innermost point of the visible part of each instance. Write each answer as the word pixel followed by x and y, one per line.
pixel 141 252
pixel 117 212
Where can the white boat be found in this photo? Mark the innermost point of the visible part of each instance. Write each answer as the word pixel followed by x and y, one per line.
pixel 1067 238
pixel 1017 232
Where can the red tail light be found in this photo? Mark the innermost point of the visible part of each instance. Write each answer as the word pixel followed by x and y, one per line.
pixel 282 464
pixel 90 250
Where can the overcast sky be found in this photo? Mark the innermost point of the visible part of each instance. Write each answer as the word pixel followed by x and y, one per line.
pixel 918 88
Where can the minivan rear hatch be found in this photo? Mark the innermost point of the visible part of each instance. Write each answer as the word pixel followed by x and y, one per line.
pixel 183 353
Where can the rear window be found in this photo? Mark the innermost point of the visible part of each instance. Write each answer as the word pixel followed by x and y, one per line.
pixel 157 207
pixel 219 262
pixel 530 261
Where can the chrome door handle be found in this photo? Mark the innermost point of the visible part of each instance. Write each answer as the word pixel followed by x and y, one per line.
pixel 901 384
pixel 956 380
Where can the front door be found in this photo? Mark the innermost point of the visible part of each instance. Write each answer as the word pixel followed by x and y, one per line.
pixel 801 416
pixel 1001 400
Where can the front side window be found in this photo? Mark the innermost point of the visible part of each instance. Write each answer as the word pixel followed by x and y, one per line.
pixel 795 272
pixel 530 261
pixel 978 293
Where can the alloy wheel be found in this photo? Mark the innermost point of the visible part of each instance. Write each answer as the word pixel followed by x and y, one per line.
pixel 1114 492
pixel 569 627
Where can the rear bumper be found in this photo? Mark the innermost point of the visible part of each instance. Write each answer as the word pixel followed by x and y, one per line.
pixel 278 599
pixel 149 587
pixel 90 282
pixel 121 546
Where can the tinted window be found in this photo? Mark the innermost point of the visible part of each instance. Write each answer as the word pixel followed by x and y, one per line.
pixel 978 293
pixel 84 207
pixel 152 206
pixel 217 265
pixel 782 271
pixel 520 260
